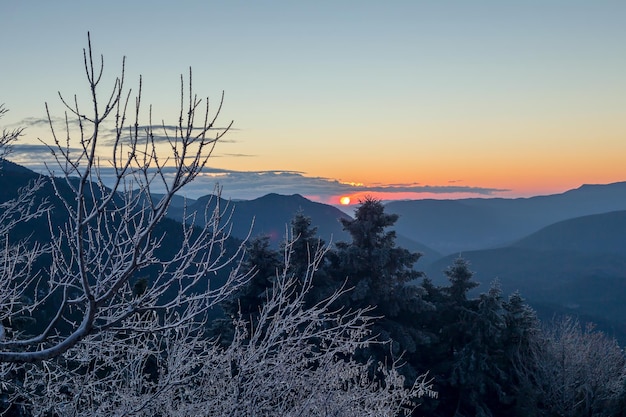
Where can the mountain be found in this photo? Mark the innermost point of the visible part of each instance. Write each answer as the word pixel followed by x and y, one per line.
pixel 576 266
pixel 272 214
pixel 37 230
pixel 13 177
pixel 574 263
pixel 596 233
pixel 452 226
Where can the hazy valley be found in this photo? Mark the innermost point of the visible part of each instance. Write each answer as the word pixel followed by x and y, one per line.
pixel 565 253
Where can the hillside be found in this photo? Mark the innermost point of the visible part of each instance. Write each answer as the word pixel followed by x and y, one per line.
pixel 452 226
pixel 271 215
pixel 596 233
pixel 577 266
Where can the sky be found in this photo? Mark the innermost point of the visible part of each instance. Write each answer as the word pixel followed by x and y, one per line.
pixel 395 99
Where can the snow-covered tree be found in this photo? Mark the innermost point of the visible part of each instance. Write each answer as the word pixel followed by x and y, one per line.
pixel 8 136
pixel 577 371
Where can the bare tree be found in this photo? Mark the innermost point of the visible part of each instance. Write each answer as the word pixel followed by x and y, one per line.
pixel 577 370
pixel 17 276
pixel 8 136
pixel 110 349
pixel 294 361
pixel 110 235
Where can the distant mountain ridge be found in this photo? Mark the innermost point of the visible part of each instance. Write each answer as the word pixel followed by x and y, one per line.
pixel 566 253
pixel 271 215
pixel 453 226
pixel 594 233
pixel 576 266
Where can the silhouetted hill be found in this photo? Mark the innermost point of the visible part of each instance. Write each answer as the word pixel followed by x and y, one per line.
pixel 271 215
pixel 452 226
pixel 596 233
pixel 577 266
pixel 13 177
pixel 8 166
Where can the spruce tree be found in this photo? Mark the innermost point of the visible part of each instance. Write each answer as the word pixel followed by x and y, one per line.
pixel 263 262
pixel 373 264
pixel 382 276
pixel 303 246
pixel 480 372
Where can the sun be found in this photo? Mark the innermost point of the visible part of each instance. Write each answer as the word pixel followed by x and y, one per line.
pixel 345 200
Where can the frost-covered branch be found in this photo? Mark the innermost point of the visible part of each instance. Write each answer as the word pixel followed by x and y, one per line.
pixel 292 361
pixel 576 370
pixel 115 234
pixel 8 136
pixel 19 281
pixel 122 295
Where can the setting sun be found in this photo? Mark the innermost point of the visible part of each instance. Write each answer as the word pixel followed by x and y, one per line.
pixel 345 200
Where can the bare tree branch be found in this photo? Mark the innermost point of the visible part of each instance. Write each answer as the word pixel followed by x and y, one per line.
pixel 112 232
pixel 294 361
pixel 108 347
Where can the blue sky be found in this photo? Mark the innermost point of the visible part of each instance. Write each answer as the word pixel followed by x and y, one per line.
pixel 402 99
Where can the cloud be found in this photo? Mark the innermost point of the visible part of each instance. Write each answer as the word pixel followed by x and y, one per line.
pixel 35 156
pixel 161 133
pixel 253 184
pixel 35 122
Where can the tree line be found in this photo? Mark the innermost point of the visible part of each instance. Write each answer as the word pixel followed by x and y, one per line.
pixel 487 354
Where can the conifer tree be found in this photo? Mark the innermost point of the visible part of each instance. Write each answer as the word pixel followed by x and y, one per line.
pixel 263 263
pixel 475 348
pixel 383 277
pixel 304 243
pixel 373 264
pixel 480 370
pixel 457 309
pixel 522 338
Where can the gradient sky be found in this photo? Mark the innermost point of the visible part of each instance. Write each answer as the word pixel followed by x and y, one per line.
pixel 399 99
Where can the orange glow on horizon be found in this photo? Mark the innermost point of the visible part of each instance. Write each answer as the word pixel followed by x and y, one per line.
pixel 516 189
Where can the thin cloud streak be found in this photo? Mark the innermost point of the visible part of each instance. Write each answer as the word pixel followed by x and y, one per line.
pixel 161 133
pixel 246 185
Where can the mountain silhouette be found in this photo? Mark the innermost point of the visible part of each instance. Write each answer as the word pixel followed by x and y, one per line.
pixel 565 253
pixel 271 215
pixel 452 226
pixel 575 267
pixel 596 233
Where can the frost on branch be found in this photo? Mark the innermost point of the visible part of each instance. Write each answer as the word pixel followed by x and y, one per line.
pixel 123 321
pixel 114 233
pixel 576 370
pixel 17 257
pixel 293 361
